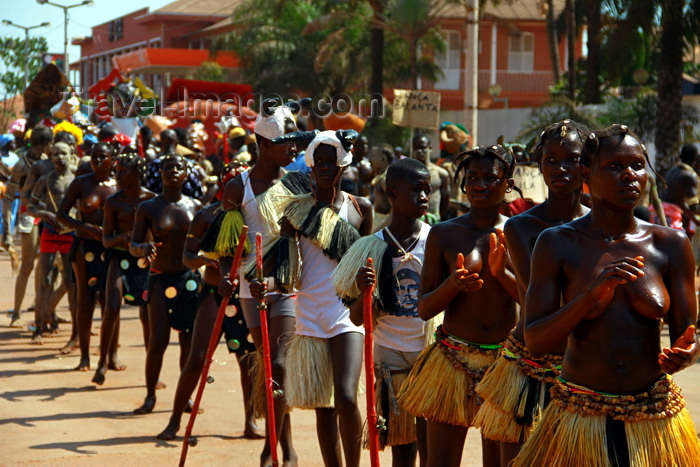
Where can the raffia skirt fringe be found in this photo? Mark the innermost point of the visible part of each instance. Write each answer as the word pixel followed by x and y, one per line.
pixel 515 391
pixel 658 434
pixel 309 373
pixel 258 399
pixel 440 387
pixel 399 425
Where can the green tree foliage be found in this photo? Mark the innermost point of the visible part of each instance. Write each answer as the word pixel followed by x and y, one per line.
pixel 304 47
pixel 414 21
pixel 13 57
pixel 319 48
pixel 210 71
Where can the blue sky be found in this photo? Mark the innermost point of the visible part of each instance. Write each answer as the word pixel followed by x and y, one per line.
pixel 82 19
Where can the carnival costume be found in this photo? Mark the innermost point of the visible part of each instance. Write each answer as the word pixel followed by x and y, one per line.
pixel 515 391
pixel 95 256
pixel 180 290
pixel 304 263
pixel 134 275
pixel 399 333
pixel 238 338
pixel 441 385
pixel 589 428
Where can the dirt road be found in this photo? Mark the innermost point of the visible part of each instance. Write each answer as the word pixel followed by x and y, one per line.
pixel 53 415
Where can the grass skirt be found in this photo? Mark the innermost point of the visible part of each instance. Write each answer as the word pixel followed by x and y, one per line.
pixel 590 429
pixel 309 373
pixel 515 391
pixel 440 387
pixel 399 424
pixel 258 398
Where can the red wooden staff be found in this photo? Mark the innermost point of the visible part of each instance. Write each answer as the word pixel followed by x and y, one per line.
pixel 369 374
pixel 213 341
pixel 269 382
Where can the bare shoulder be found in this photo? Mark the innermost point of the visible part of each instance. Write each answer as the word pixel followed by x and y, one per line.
pixel 114 198
pixel 233 193
pixel 207 213
pixel 561 239
pixel 439 170
pixel 666 238
pixel 362 202
pixel 190 204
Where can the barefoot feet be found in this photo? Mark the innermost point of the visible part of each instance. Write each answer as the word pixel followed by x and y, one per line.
pixel 70 346
pixel 147 406
pixel 84 364
pixel 37 339
pixel 115 365
pixel 170 431
pixel 161 385
pixel 252 431
pixel 17 323
pixel 99 378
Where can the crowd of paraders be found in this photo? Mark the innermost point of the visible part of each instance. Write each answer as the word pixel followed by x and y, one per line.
pixel 553 328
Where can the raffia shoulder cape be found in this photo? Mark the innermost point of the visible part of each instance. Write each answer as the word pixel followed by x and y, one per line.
pixel 221 238
pixel 313 220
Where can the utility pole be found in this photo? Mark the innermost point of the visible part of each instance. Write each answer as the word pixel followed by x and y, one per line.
pixel 7 22
pixel 65 9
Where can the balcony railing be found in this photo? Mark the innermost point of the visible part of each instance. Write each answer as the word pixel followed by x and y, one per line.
pixel 510 81
pixel 534 81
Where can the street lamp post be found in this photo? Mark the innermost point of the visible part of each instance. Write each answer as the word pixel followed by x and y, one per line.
pixel 65 9
pixel 7 22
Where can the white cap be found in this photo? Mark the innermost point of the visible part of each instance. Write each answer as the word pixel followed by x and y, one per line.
pixel 272 126
pixel 329 137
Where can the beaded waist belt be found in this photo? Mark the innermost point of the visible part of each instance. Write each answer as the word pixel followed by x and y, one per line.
pixel 541 369
pixel 464 355
pixel 662 400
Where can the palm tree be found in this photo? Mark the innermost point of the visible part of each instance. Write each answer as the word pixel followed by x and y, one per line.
pixel 412 20
pixel 553 39
pixel 592 86
pixel 670 83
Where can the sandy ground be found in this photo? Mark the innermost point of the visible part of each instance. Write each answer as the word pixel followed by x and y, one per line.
pixel 53 415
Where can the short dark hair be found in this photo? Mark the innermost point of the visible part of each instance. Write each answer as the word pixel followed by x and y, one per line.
pixel 106 132
pixel 689 154
pixel 420 136
pixel 131 159
pixel 146 132
pixel 41 135
pixel 108 146
pixel 405 169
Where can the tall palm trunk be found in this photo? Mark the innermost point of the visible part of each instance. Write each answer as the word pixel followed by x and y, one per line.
pixel 592 86
pixel 553 38
pixel 571 34
pixel 670 83
pixel 376 85
pixel 413 44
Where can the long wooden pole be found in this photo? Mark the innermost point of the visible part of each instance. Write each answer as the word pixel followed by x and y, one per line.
pixel 369 374
pixel 269 382
pixel 213 341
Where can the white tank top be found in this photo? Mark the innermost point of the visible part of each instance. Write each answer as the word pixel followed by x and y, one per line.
pixel 255 223
pixel 319 311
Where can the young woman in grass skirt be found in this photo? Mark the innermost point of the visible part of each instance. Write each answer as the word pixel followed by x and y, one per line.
pixel 619 279
pixel 516 388
pixel 466 274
